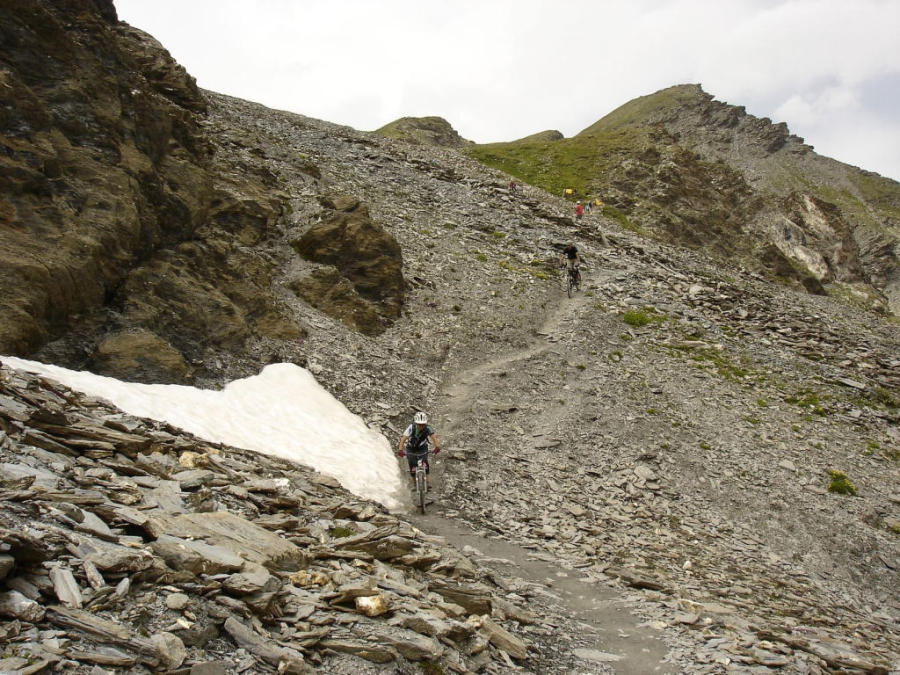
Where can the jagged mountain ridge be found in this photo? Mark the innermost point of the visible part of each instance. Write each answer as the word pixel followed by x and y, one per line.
pixel 685 448
pixel 694 171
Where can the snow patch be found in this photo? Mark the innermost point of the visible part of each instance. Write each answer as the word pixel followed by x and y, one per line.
pixel 281 412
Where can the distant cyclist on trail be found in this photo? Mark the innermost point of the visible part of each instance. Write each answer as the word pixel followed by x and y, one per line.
pixel 414 443
pixel 572 261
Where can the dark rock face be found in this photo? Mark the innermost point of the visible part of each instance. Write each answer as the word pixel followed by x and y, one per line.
pixel 364 286
pixel 128 246
pixel 103 161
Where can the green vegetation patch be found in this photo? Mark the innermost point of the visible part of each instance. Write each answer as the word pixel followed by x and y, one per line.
pixel 643 317
pixel 431 668
pixel 613 213
pixel 340 532
pixel 808 399
pixel 718 359
pixel 880 191
pixel 571 163
pixel 840 483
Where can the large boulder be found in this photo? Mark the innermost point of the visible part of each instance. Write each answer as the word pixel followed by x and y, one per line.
pixel 363 284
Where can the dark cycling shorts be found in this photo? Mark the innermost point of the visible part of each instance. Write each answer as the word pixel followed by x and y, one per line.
pixel 413 459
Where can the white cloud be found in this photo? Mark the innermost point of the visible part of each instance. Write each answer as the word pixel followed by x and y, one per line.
pixel 820 106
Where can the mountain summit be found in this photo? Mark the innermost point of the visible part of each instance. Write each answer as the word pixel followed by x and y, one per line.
pixel 682 167
pixel 433 131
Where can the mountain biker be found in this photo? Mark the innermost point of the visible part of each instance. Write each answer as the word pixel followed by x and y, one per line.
pixel 414 443
pixel 579 210
pixel 573 261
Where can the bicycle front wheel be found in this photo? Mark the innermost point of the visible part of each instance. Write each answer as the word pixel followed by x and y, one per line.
pixel 569 285
pixel 420 491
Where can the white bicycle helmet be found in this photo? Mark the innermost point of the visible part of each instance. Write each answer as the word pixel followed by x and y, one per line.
pixel 421 418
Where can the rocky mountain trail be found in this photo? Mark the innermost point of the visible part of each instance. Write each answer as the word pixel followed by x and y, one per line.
pixel 591 629
pixel 562 514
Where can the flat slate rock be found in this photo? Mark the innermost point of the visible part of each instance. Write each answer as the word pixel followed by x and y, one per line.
pixel 238 535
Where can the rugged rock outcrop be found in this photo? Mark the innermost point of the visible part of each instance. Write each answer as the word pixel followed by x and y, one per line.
pixel 363 284
pixel 104 162
pixel 834 208
pixel 132 242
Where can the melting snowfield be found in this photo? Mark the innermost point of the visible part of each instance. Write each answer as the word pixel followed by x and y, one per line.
pixel 282 412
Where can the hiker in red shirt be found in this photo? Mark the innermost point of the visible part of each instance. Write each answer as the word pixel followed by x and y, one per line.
pixel 579 210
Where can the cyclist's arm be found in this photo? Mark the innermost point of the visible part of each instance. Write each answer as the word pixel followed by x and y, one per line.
pixel 402 443
pixel 435 442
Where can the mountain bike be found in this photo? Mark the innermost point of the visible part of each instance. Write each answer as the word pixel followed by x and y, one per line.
pixel 422 481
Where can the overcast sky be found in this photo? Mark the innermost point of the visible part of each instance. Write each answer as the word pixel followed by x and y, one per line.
pixel 498 70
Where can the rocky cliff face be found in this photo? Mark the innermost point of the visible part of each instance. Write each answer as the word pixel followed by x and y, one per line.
pixel 670 441
pixel 832 223
pixel 104 162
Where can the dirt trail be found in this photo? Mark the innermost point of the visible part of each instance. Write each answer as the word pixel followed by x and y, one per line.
pixel 596 629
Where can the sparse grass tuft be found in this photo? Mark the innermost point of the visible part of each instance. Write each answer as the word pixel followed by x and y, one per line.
pixel 643 316
pixel 840 483
pixel 808 399
pixel 885 398
pixel 613 213
pixel 339 532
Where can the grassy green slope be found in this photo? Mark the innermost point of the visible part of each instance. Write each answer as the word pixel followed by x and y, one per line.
pixel 578 163
pixel 636 112
pixel 586 161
